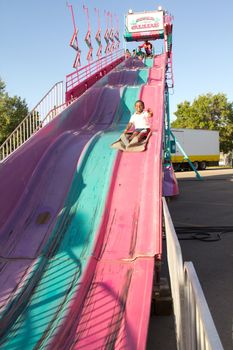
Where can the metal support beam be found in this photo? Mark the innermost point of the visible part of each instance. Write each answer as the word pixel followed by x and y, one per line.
pixel 199 177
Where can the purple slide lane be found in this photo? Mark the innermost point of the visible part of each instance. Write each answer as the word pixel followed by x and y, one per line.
pixel 112 304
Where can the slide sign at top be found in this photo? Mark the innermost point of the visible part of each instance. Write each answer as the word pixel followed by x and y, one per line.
pixel 145 21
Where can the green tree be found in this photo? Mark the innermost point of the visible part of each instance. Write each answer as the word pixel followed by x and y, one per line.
pixel 2 87
pixel 12 111
pixel 213 112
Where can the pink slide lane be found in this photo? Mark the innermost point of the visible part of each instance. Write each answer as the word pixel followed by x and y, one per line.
pixel 112 304
pixel 34 182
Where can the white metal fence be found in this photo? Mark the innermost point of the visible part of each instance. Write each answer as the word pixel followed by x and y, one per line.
pixel 204 335
pixel 195 329
pixel 176 272
pixel 33 121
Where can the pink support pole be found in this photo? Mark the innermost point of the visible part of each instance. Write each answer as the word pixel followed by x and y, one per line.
pixel 74 40
pixel 106 35
pixel 88 35
pixel 72 14
pixel 98 35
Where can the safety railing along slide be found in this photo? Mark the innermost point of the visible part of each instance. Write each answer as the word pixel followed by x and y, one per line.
pixel 34 120
pixel 195 329
pixel 80 80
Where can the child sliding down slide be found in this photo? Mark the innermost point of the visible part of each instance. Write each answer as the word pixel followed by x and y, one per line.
pixel 137 132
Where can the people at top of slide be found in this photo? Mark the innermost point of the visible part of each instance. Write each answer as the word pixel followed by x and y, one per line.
pixel 134 53
pixel 127 53
pixel 147 46
pixel 140 54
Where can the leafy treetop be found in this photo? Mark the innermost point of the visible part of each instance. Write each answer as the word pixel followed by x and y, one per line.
pixel 212 112
pixel 12 111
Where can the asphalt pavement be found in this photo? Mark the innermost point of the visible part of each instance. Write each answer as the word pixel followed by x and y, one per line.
pixel 203 217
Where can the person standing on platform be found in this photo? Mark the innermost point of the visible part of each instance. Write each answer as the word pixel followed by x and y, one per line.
pixel 147 46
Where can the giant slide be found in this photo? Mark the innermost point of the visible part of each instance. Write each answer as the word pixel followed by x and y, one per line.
pixel 80 223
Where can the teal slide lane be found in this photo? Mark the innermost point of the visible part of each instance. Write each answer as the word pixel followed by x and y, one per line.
pixel 149 62
pixel 131 95
pixel 143 75
pixel 75 235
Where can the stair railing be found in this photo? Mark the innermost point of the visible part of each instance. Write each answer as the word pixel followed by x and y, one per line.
pixel 33 121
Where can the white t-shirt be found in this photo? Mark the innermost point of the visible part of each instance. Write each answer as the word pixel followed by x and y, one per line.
pixel 140 121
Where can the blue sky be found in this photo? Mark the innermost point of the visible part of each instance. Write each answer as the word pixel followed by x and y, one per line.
pixel 35 50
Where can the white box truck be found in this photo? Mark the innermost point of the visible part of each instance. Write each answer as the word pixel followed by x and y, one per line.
pixel 201 146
